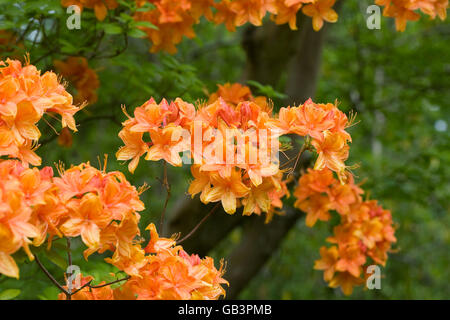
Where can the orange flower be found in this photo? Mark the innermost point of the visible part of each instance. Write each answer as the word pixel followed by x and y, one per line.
pixel 231 93
pixel 227 190
pixel 22 191
pixel 333 151
pixel 85 80
pixel 25 96
pixel 100 7
pixel 250 11
pixel 166 145
pixel 225 15
pixel 320 11
pixel 404 10
pixel 346 281
pixel 65 138
pixel 286 12
pixel 170 273
pixel 328 262
pixel 134 148
pixel 87 218
pixel 365 230
pixel 316 208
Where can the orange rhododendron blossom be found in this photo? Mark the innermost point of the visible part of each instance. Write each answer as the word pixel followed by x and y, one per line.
pixel 363 237
pixel 320 11
pixel 100 7
pixel 24 193
pixel 25 95
pixel 166 272
pixel 326 125
pixel 232 140
pixel 100 207
pixel 406 10
pixel 170 273
pixel 174 19
pixel 85 80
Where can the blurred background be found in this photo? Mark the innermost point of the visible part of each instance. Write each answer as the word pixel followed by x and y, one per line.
pixel 397 83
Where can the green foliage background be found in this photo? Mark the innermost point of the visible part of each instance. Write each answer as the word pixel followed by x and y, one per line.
pixel 398 83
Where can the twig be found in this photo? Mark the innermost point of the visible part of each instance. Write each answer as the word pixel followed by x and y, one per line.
pixel 69 258
pixel 80 288
pixel 110 283
pixel 199 224
pixel 52 279
pixel 165 183
pixel 292 170
pixel 85 120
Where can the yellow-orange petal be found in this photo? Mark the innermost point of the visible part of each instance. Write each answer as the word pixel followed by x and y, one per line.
pixel 8 266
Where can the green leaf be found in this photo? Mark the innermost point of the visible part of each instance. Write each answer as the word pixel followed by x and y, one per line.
pixel 9 294
pixel 267 90
pixel 137 33
pixel 145 24
pixel 146 7
pixel 112 28
pixel 56 259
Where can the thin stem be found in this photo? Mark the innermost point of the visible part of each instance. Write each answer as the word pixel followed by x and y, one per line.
pixel 87 284
pixel 166 184
pixel 69 252
pixel 199 224
pixel 110 283
pixel 69 258
pixel 304 147
pixel 52 279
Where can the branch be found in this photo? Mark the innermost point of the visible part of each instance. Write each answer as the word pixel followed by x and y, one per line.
pixel 165 183
pixel 52 279
pixel 199 224
pixel 110 283
pixel 69 258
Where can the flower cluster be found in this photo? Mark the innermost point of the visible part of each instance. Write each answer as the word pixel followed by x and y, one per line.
pixel 100 7
pixel 102 208
pixel 170 273
pixel 406 10
pixel 231 139
pixel 325 124
pixel 164 272
pixel 85 80
pixel 24 194
pixel 25 95
pixel 84 202
pixel 175 19
pixel 365 229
